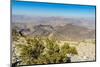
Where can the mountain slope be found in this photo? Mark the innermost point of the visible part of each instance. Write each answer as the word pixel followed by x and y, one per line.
pixel 65 32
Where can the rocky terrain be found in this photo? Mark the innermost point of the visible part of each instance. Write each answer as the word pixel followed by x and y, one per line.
pixel 86 50
pixel 79 33
pixel 66 32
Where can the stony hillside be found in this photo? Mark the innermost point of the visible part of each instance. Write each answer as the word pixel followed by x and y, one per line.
pixel 65 32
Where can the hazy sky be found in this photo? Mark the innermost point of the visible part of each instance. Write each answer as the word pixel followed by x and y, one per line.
pixel 45 9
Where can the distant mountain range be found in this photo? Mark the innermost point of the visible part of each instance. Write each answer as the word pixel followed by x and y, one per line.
pixel 54 21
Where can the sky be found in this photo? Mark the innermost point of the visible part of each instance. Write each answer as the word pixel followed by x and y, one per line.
pixel 47 9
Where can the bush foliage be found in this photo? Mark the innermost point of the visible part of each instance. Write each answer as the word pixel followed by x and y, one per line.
pixel 44 51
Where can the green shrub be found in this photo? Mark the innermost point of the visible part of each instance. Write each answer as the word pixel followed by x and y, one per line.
pixel 44 51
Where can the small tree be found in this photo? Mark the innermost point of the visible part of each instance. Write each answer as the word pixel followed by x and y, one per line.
pixel 44 51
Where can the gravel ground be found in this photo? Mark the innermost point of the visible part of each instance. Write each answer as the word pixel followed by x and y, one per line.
pixel 86 52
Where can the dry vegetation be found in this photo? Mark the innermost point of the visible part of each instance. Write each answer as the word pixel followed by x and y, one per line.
pixel 37 50
pixel 44 50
